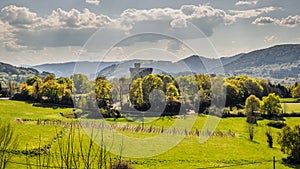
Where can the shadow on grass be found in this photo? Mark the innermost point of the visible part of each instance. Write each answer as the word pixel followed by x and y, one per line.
pixel 297 166
pixel 49 105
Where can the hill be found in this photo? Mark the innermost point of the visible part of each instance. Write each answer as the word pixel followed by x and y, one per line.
pixel 17 74
pixel 69 68
pixel 280 63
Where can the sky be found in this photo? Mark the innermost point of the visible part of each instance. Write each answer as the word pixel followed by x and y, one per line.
pixel 34 32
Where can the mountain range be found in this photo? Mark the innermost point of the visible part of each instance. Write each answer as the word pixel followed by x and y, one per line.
pixel 279 63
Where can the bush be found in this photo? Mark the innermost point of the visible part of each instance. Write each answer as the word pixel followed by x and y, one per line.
pixel 289 140
pixel 121 164
pixel 276 124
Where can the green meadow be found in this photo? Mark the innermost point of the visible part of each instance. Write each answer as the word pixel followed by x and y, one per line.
pixel 217 152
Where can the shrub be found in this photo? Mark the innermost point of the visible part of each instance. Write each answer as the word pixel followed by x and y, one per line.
pixel 269 138
pixel 289 140
pixel 121 164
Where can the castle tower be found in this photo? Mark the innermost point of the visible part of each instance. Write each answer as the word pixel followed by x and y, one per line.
pixel 138 72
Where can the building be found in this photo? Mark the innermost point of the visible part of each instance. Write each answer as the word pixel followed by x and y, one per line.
pixel 138 72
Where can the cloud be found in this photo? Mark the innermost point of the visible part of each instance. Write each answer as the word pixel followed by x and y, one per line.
pixel 73 28
pixel 174 46
pixel 290 21
pixel 5 31
pixel 206 18
pixel 270 38
pixel 95 2
pixel 263 21
pixel 244 3
pixel 13 46
pixel 252 12
pixel 19 16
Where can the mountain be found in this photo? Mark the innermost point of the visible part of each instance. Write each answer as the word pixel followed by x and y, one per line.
pixel 279 54
pixel 69 68
pixel 17 74
pixel 278 63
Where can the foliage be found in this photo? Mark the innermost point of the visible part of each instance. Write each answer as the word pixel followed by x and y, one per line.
pixel 81 83
pixel 252 105
pixel 289 140
pixel 121 164
pixel 103 92
pixel 271 106
pixel 141 88
pixel 269 138
pixel 296 90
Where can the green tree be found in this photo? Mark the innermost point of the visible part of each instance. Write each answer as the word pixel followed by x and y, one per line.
pixel 81 83
pixel 233 95
pixel 289 140
pixel 252 105
pixel 136 94
pixel 49 77
pixel 103 92
pixel 270 105
pixel 51 90
pixel 296 90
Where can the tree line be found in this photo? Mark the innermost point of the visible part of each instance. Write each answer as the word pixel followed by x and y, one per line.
pixel 192 92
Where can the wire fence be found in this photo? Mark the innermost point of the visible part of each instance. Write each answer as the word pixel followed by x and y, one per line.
pixel 272 163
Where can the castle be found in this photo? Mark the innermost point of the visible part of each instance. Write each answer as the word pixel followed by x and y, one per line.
pixel 138 72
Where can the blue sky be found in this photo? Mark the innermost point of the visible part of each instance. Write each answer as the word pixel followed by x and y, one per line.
pixel 34 32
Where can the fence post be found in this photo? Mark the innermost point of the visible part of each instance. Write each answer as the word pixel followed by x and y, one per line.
pixel 273 162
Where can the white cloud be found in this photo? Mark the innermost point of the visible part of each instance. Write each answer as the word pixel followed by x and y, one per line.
pixel 244 3
pixel 290 21
pixel 270 38
pixel 252 12
pixel 95 2
pixel 13 46
pixel 174 46
pixel 5 31
pixel 263 21
pixel 19 16
pixel 75 19
pixel 74 27
pixel 204 17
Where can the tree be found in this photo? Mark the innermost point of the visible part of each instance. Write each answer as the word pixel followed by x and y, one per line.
pixel 136 95
pixel 296 90
pixel 233 95
pixel 289 140
pixel 49 77
pixel 81 83
pixel 11 88
pixel 1 89
pixel 252 105
pixel 51 90
pixel 103 92
pixel 270 105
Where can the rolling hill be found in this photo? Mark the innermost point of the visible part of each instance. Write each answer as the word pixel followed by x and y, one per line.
pixel 280 63
pixel 17 74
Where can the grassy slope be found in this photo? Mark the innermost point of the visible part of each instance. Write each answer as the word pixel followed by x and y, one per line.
pixel 217 152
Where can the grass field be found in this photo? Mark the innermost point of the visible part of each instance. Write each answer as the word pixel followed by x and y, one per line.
pixel 217 152
pixel 291 107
